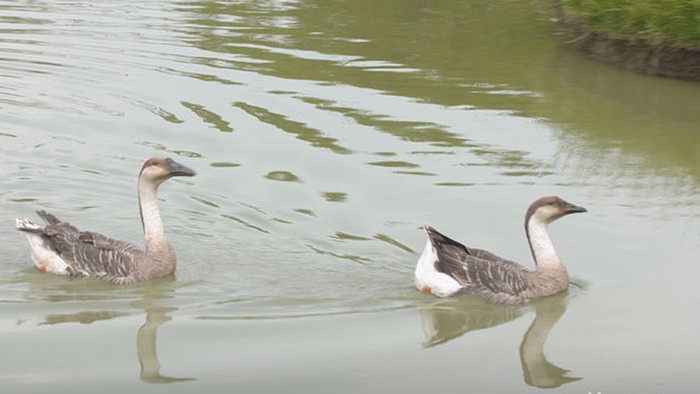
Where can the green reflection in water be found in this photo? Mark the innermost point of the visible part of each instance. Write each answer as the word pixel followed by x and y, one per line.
pixel 349 237
pixel 401 164
pixel 205 202
pixel 155 110
pixel 343 256
pixel 85 317
pixel 284 176
pixel 302 131
pixel 393 242
pixel 469 54
pixel 245 223
pixel 224 165
pixel 305 211
pixel 208 116
pixel 335 196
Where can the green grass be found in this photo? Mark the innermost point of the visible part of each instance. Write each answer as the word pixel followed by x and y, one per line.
pixel 675 22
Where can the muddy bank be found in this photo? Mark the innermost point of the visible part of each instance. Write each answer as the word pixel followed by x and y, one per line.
pixel 653 58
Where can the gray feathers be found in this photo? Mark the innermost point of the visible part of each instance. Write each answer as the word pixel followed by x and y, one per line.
pixel 480 272
pixel 91 254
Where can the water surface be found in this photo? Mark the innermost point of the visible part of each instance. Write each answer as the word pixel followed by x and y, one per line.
pixel 324 133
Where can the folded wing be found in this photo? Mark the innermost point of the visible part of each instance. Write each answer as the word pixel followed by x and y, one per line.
pixel 478 271
pixel 88 253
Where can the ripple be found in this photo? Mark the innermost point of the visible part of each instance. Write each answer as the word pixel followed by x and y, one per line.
pixel 283 176
pixel 455 184
pixel 224 164
pixel 187 153
pixel 23 200
pixel 155 110
pixel 419 173
pixel 393 242
pixel 299 53
pixel 349 237
pixel 530 174
pixel 301 130
pixel 245 223
pixel 305 211
pixel 85 317
pixel 208 116
pixel 335 196
pixel 343 256
pixel 61 57
pixel 394 164
pixel 205 202
pixel 179 152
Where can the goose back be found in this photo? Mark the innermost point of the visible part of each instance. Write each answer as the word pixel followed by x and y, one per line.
pixel 91 254
pixel 480 272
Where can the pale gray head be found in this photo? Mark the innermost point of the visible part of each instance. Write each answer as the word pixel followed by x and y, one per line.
pixel 156 170
pixel 549 209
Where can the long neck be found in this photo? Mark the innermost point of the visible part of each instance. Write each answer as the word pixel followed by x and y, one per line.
pixel 541 245
pixel 150 215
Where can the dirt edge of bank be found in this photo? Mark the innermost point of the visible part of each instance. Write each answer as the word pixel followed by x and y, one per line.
pixel 653 58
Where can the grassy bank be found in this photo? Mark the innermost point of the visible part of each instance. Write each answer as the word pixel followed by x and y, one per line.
pixel 674 22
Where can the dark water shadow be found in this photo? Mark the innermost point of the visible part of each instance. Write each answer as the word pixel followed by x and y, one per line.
pixel 444 320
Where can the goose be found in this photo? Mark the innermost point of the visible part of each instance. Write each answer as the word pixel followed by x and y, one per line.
pixel 447 268
pixel 62 249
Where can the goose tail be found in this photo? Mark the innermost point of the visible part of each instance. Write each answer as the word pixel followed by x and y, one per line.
pixel 436 238
pixel 426 277
pixel 48 218
pixel 27 226
pixel 45 258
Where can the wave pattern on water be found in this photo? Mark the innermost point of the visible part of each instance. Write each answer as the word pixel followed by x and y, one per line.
pixel 324 134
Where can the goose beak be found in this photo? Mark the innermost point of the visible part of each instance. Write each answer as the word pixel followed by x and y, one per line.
pixel 177 169
pixel 571 208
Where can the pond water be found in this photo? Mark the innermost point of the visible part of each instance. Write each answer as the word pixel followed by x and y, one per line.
pixel 324 133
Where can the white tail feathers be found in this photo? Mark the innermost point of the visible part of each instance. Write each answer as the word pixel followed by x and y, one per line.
pixel 26 225
pixel 45 259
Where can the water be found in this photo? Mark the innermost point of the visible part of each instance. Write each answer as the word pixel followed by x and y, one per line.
pixel 324 134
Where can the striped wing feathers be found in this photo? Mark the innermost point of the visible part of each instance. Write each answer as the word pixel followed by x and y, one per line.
pixel 90 254
pixel 479 271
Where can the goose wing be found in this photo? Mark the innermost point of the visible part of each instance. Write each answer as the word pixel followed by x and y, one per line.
pixel 476 269
pixel 88 253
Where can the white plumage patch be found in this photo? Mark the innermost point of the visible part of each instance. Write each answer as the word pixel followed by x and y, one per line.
pixel 45 259
pixel 428 279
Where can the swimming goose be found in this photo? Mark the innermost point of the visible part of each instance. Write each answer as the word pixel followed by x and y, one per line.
pixel 62 249
pixel 447 267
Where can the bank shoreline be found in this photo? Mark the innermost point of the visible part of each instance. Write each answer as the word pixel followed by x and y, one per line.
pixel 652 58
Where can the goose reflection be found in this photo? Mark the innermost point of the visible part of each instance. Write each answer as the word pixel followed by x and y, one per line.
pixel 146 339
pixel 537 371
pixel 446 320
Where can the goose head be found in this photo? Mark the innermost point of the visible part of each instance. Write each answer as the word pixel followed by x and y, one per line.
pixel 157 170
pixel 548 209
